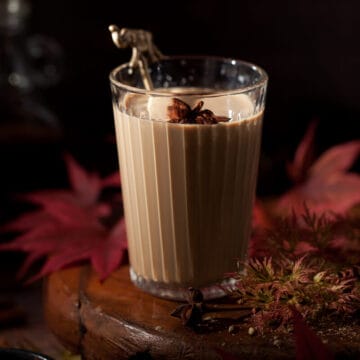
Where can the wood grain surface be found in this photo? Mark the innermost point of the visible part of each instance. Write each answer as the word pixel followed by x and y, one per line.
pixel 115 320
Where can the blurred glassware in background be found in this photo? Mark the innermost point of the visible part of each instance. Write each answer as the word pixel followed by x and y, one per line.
pixel 28 64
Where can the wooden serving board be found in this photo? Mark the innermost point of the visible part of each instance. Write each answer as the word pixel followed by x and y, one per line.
pixel 116 320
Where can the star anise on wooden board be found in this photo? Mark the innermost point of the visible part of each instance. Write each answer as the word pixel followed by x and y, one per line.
pixel 197 313
pixel 191 313
pixel 180 112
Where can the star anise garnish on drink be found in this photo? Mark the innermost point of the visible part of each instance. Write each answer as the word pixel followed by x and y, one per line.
pixel 181 113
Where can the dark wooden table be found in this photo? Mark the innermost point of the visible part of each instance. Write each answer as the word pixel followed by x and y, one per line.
pixel 22 324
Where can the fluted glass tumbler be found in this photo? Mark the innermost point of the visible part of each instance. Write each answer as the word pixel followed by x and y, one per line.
pixel 188 153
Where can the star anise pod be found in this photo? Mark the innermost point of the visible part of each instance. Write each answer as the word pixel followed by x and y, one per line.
pixel 197 314
pixel 180 112
pixel 191 313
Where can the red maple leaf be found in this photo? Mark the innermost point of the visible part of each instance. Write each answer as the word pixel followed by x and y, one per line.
pixel 224 355
pixel 262 222
pixel 261 219
pixel 324 185
pixel 69 227
pixel 308 344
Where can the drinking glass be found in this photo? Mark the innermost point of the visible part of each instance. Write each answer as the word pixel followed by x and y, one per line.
pixel 188 175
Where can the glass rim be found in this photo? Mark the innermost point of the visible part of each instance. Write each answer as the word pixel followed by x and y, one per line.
pixel 262 81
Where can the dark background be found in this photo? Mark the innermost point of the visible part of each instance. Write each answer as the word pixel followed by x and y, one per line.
pixel 310 50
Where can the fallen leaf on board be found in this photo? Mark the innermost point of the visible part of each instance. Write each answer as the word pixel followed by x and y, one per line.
pixel 308 344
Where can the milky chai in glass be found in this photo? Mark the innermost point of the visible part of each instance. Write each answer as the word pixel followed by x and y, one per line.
pixel 188 181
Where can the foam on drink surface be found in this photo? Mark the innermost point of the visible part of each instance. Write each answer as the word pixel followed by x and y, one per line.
pixel 154 107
